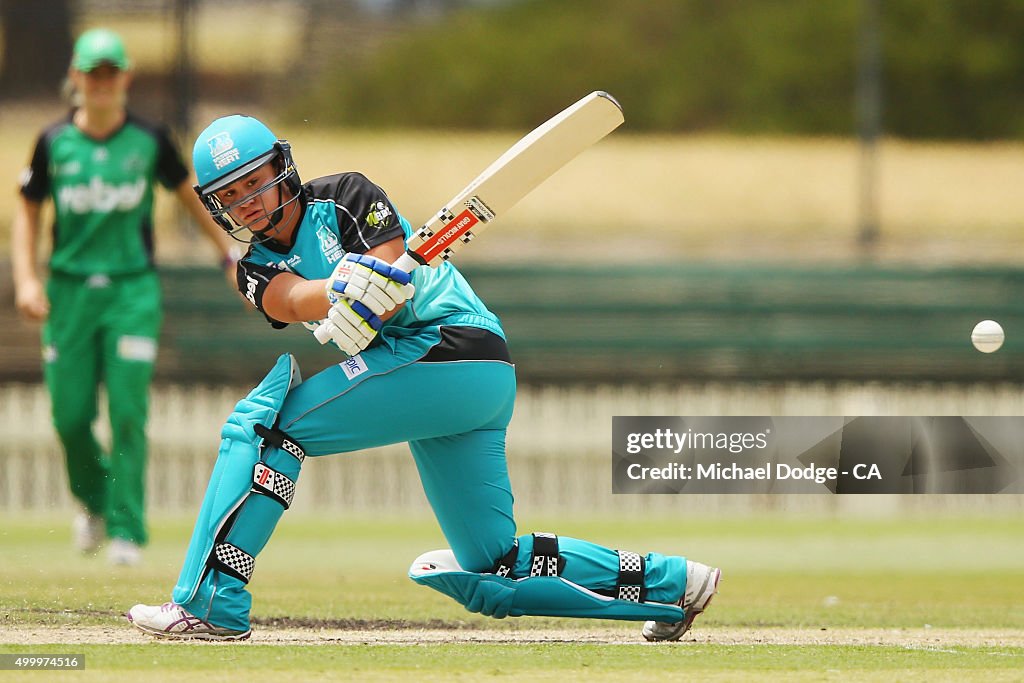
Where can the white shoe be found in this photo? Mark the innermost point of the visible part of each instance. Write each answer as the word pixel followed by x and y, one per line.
pixel 701 586
pixel 124 553
pixel 174 621
pixel 88 532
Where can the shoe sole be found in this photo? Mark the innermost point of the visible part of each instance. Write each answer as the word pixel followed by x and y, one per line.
pixel 685 624
pixel 186 635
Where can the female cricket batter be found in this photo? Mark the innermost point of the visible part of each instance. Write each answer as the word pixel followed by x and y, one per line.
pixel 321 251
pixel 101 303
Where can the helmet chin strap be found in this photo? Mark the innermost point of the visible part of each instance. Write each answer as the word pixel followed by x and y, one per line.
pixel 275 217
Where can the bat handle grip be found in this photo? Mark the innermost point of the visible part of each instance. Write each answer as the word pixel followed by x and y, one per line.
pixel 406 263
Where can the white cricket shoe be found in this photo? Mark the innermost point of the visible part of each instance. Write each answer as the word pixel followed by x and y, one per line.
pixel 124 553
pixel 88 532
pixel 175 622
pixel 701 586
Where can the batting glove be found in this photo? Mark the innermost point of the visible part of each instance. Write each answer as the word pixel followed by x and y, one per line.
pixel 370 281
pixel 350 325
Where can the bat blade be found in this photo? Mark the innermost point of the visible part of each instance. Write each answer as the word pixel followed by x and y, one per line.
pixel 512 176
pixel 525 165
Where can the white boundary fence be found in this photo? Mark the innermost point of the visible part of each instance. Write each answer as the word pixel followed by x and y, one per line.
pixel 559 450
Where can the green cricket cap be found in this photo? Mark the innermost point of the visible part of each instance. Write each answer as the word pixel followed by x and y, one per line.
pixel 99 46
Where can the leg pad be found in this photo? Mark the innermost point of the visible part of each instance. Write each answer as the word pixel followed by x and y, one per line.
pixel 545 596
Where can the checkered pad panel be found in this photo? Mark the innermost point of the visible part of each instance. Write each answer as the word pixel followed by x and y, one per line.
pixel 544 566
pixel 269 481
pixel 631 593
pixel 630 562
pixel 236 559
pixel 294 449
pixel 284 488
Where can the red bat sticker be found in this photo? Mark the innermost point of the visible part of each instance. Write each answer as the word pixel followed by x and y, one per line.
pixel 458 227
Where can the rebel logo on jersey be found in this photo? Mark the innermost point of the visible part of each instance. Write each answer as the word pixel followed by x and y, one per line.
pixel 99 196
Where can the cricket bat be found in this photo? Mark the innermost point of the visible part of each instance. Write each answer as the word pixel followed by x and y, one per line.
pixel 514 174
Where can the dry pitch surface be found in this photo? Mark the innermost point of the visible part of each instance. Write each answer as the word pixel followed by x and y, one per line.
pixel 388 633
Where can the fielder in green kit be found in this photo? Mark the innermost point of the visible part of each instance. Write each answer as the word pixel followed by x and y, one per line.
pixel 101 306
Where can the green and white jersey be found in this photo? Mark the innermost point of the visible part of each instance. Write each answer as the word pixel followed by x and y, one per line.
pixel 102 191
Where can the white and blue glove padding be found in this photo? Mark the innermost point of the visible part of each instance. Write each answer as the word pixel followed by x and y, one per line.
pixel 350 325
pixel 369 280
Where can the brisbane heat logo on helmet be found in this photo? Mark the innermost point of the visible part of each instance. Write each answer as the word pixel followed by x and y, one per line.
pixel 223 150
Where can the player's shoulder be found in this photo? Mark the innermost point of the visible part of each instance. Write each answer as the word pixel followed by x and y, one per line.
pixel 150 127
pixel 54 129
pixel 341 187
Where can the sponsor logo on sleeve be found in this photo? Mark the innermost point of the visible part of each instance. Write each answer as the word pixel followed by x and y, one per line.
pixel 250 289
pixel 379 216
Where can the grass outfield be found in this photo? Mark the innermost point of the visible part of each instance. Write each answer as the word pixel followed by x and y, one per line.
pixel 800 600
pixel 557 662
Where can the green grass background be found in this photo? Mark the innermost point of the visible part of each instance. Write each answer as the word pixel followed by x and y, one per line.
pixel 779 572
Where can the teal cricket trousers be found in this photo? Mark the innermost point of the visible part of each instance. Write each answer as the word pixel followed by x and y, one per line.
pixel 453 412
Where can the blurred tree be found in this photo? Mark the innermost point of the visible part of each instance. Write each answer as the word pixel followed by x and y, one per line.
pixel 36 45
pixel 952 69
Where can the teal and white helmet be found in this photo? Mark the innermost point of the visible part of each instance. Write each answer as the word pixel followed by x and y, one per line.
pixel 232 147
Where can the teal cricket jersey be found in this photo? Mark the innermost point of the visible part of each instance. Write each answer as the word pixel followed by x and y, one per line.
pixel 102 192
pixel 348 213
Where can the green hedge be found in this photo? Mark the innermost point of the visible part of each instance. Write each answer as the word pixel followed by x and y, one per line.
pixel 951 69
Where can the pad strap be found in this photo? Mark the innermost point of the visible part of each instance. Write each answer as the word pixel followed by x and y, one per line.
pixel 630 584
pixel 631 577
pixel 271 483
pixel 233 561
pixel 503 567
pixel 276 437
pixel 545 561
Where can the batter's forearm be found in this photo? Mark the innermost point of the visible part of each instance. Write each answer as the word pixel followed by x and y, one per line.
pixel 292 299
